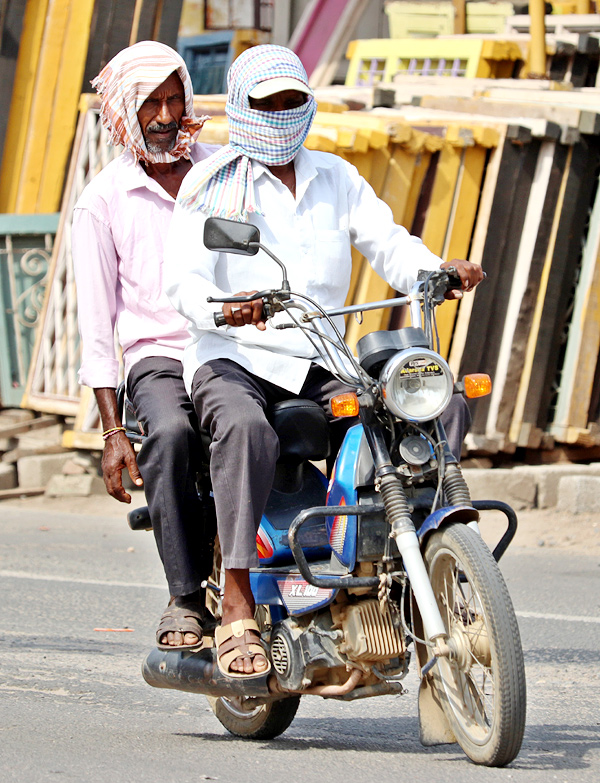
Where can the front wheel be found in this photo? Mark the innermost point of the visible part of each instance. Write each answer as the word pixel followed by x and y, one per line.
pixel 482 687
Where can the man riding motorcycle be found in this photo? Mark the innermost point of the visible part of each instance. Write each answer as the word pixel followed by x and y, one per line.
pixel 310 208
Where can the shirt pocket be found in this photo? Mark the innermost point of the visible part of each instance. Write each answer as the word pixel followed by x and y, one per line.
pixel 332 259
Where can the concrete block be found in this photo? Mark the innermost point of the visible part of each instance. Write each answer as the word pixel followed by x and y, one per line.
pixel 509 485
pixel 10 416
pixel 548 478
pixel 36 471
pixel 61 485
pixel 8 476
pixel 46 438
pixel 579 494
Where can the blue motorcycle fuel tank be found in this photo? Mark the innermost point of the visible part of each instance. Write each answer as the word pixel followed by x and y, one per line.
pixel 342 529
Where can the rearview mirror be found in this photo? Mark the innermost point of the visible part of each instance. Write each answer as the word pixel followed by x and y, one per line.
pixel 229 236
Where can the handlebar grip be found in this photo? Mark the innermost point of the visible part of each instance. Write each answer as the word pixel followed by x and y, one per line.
pixel 219 319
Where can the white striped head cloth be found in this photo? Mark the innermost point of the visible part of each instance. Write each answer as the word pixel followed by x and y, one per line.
pixel 223 184
pixel 124 84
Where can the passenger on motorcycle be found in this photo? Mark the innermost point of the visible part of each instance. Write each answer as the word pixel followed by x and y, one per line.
pixel 120 225
pixel 310 208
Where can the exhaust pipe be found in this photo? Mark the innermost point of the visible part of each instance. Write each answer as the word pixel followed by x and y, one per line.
pixel 197 672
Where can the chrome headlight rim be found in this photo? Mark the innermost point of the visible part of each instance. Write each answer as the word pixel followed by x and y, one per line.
pixel 392 367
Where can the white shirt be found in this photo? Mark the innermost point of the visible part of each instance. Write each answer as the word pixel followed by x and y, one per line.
pixel 120 226
pixel 312 234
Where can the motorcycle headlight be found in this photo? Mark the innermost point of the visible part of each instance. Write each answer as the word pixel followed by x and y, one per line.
pixel 416 384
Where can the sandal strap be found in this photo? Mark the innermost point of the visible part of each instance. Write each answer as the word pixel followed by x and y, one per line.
pixel 235 629
pixel 182 619
pixel 238 639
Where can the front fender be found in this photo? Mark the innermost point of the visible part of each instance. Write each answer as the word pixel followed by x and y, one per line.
pixel 443 516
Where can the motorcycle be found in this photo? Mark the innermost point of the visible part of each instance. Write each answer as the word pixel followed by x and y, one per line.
pixel 383 560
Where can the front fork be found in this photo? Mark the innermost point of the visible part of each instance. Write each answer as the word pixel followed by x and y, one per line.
pixel 402 527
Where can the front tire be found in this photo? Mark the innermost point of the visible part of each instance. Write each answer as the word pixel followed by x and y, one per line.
pixel 482 690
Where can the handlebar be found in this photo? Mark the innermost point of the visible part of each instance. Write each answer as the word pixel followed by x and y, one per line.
pixel 442 280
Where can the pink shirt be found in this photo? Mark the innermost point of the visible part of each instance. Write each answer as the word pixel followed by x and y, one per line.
pixel 120 226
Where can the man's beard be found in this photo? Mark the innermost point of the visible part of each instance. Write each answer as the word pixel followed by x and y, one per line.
pixel 156 148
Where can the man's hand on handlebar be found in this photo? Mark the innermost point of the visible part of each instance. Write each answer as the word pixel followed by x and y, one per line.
pixel 242 313
pixel 470 275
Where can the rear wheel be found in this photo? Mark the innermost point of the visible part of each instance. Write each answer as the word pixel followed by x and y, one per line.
pixel 242 718
pixel 482 688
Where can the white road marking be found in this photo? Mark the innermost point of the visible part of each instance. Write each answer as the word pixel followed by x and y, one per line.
pixel 561 618
pixel 71 580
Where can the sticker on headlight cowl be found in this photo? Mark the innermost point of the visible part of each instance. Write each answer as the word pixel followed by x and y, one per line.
pixel 422 367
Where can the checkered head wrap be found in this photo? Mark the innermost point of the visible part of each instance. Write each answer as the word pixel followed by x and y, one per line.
pixel 125 83
pixel 223 185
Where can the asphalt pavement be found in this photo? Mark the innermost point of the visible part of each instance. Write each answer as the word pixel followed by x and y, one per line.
pixel 73 704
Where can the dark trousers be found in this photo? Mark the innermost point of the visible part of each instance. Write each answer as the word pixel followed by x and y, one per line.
pixel 167 462
pixel 231 404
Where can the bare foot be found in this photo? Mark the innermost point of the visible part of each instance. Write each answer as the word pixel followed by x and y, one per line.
pixel 238 604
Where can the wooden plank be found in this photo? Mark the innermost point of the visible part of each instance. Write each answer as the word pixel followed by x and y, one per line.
pixel 579 99
pixel 563 115
pixel 572 418
pixel 496 428
pixel 40 118
pixel 520 23
pixel 20 107
pixel 168 18
pixel 64 110
pixel 13 17
pixel 111 26
pixel 21 492
pixel 27 426
pixel 442 198
pixel 538 128
pixel 512 190
pixel 560 277
pixel 460 231
pixel 366 285
pixel 524 323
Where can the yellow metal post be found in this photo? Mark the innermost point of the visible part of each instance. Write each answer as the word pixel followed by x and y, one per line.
pixel 537 31
pixel 460 17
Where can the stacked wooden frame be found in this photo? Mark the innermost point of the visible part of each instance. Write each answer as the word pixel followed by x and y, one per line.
pixel 508 182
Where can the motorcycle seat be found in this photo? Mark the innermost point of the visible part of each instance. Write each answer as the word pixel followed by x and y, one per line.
pixel 302 428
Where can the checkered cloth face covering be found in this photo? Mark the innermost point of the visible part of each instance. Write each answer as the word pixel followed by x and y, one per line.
pixel 223 185
pixel 125 83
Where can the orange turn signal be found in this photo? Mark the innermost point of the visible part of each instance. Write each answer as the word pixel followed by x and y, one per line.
pixel 479 384
pixel 344 405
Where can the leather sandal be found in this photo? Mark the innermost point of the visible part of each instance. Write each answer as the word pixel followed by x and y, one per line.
pixel 236 640
pixel 180 619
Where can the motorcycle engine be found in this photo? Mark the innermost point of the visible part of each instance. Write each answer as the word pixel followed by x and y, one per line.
pixel 369 634
pixel 306 653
